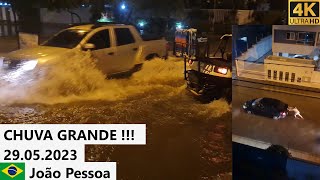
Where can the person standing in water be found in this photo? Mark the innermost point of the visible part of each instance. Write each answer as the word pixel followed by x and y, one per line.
pixel 296 112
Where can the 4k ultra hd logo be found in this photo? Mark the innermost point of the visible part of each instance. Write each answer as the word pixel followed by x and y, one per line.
pixel 12 171
pixel 304 12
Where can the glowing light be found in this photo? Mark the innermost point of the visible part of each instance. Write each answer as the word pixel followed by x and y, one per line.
pixel 16 74
pixel 222 70
pixel 81 31
pixel 141 23
pixel 244 39
pixel 105 19
pixel 5 4
pixel 179 25
pixel 123 6
pixel 29 65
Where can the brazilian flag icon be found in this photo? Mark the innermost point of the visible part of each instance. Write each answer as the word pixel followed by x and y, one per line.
pixel 12 171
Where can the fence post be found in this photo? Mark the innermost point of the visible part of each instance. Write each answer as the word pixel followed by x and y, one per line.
pixel 237 72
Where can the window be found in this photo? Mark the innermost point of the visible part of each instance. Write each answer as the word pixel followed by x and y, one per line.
pixel 124 36
pixel 269 74
pixel 280 75
pixel 299 79
pixel 69 38
pixel 275 75
pixel 291 36
pixel 101 40
pixel 306 38
pixel 287 76
pixel 293 77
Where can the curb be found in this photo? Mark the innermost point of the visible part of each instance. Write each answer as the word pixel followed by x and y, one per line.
pixel 274 88
pixel 296 154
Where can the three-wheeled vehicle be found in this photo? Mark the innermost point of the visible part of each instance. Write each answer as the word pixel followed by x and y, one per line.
pixel 208 70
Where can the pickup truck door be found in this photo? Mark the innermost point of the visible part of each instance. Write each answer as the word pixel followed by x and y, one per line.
pixel 104 52
pixel 126 48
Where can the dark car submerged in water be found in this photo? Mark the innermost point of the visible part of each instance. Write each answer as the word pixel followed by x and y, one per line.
pixel 267 107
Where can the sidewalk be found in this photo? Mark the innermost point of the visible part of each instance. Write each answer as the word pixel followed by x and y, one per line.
pixel 10 43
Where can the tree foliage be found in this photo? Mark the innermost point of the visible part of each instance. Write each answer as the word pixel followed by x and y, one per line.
pixel 161 8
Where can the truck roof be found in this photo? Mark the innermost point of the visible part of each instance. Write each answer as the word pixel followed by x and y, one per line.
pixel 89 27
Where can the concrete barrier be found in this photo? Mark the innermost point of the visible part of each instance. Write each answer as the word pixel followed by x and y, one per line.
pixel 296 154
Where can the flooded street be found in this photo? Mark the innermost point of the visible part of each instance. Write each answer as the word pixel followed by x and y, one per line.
pixel 185 139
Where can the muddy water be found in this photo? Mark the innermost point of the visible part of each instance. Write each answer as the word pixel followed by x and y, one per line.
pixel 185 139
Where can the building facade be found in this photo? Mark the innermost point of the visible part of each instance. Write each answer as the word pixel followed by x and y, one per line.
pixel 295 57
pixel 296 41
pixel 7 20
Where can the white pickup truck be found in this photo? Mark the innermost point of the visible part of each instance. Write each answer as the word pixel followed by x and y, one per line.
pixel 117 48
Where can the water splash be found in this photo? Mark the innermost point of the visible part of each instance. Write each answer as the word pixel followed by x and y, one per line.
pixel 76 79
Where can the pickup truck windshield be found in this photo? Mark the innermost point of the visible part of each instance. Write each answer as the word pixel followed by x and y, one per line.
pixel 69 38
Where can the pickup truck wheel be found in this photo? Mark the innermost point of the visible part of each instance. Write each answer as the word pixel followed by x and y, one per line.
pixel 165 57
pixel 151 56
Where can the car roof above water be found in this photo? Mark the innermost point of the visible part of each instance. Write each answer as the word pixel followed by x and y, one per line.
pixel 275 102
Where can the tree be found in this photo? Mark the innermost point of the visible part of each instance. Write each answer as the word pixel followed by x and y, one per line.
pixel 28 11
pixel 278 5
pixel 161 8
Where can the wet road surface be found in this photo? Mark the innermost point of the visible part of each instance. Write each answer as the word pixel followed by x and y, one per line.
pixel 185 139
pixel 298 134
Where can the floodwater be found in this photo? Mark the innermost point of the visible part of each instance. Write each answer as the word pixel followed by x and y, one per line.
pixel 185 139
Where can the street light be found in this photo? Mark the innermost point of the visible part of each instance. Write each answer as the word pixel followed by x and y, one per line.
pixel 5 4
pixel 141 23
pixel 179 25
pixel 123 6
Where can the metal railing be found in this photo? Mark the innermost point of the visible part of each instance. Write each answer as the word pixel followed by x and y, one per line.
pixel 8 22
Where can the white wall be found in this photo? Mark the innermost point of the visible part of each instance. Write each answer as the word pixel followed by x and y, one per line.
pixel 302 68
pixel 292 48
pixel 316 77
pixel 258 50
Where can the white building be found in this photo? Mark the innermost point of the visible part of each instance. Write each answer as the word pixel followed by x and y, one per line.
pixel 294 59
pixel 296 41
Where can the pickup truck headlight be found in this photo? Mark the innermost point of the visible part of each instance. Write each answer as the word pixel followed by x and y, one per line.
pixel 221 70
pixel 28 65
pixel 21 65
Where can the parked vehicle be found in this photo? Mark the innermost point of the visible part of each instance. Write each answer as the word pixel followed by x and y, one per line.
pixel 268 107
pixel 117 48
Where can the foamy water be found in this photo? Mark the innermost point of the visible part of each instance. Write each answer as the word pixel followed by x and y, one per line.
pixel 69 92
pixel 78 79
